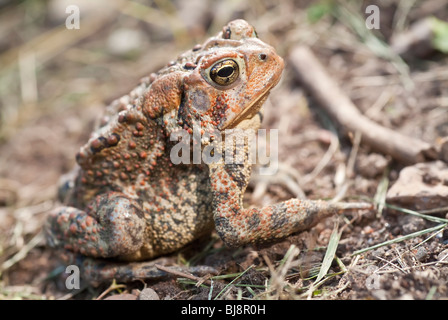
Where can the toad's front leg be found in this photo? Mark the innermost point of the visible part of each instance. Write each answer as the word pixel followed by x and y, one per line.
pixel 238 226
pixel 112 225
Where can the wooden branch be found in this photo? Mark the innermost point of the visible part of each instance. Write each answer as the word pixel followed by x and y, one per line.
pixel 329 95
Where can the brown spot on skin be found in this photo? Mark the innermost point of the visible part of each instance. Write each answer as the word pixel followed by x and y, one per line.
pixel 226 32
pixel 73 228
pixel 143 155
pixel 139 126
pixel 190 66
pixel 123 176
pixel 122 118
pixel 113 139
pixel 98 144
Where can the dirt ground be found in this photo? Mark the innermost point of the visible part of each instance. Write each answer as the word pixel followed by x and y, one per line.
pixel 54 82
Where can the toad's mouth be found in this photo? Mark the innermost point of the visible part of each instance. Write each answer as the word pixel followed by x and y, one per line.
pixel 249 112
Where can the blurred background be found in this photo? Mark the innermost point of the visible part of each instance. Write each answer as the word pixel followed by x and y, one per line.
pixel 55 81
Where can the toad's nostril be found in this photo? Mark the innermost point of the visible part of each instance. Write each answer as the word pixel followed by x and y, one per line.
pixel 263 56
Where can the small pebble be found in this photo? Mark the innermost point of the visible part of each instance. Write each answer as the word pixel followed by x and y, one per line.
pixel 421 254
pixel 148 294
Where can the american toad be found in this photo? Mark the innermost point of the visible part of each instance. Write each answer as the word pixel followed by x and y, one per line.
pixel 129 201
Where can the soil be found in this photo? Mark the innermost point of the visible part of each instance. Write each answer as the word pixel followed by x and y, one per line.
pixel 54 82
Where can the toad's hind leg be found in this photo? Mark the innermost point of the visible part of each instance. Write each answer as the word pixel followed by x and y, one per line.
pixel 111 225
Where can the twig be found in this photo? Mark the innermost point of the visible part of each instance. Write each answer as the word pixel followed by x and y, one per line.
pixel 22 252
pixel 330 96
pixel 112 287
pixel 199 280
pixel 332 149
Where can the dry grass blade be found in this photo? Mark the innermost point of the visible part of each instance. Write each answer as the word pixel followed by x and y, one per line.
pixel 278 286
pixel 332 149
pixel 327 261
pixel 329 254
pixel 418 214
pixel 22 252
pixel 231 282
pixel 381 192
pixel 403 238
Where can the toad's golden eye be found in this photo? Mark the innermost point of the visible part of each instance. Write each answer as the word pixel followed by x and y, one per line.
pixel 225 72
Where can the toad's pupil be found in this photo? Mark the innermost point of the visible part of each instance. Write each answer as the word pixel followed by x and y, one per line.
pixel 225 71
